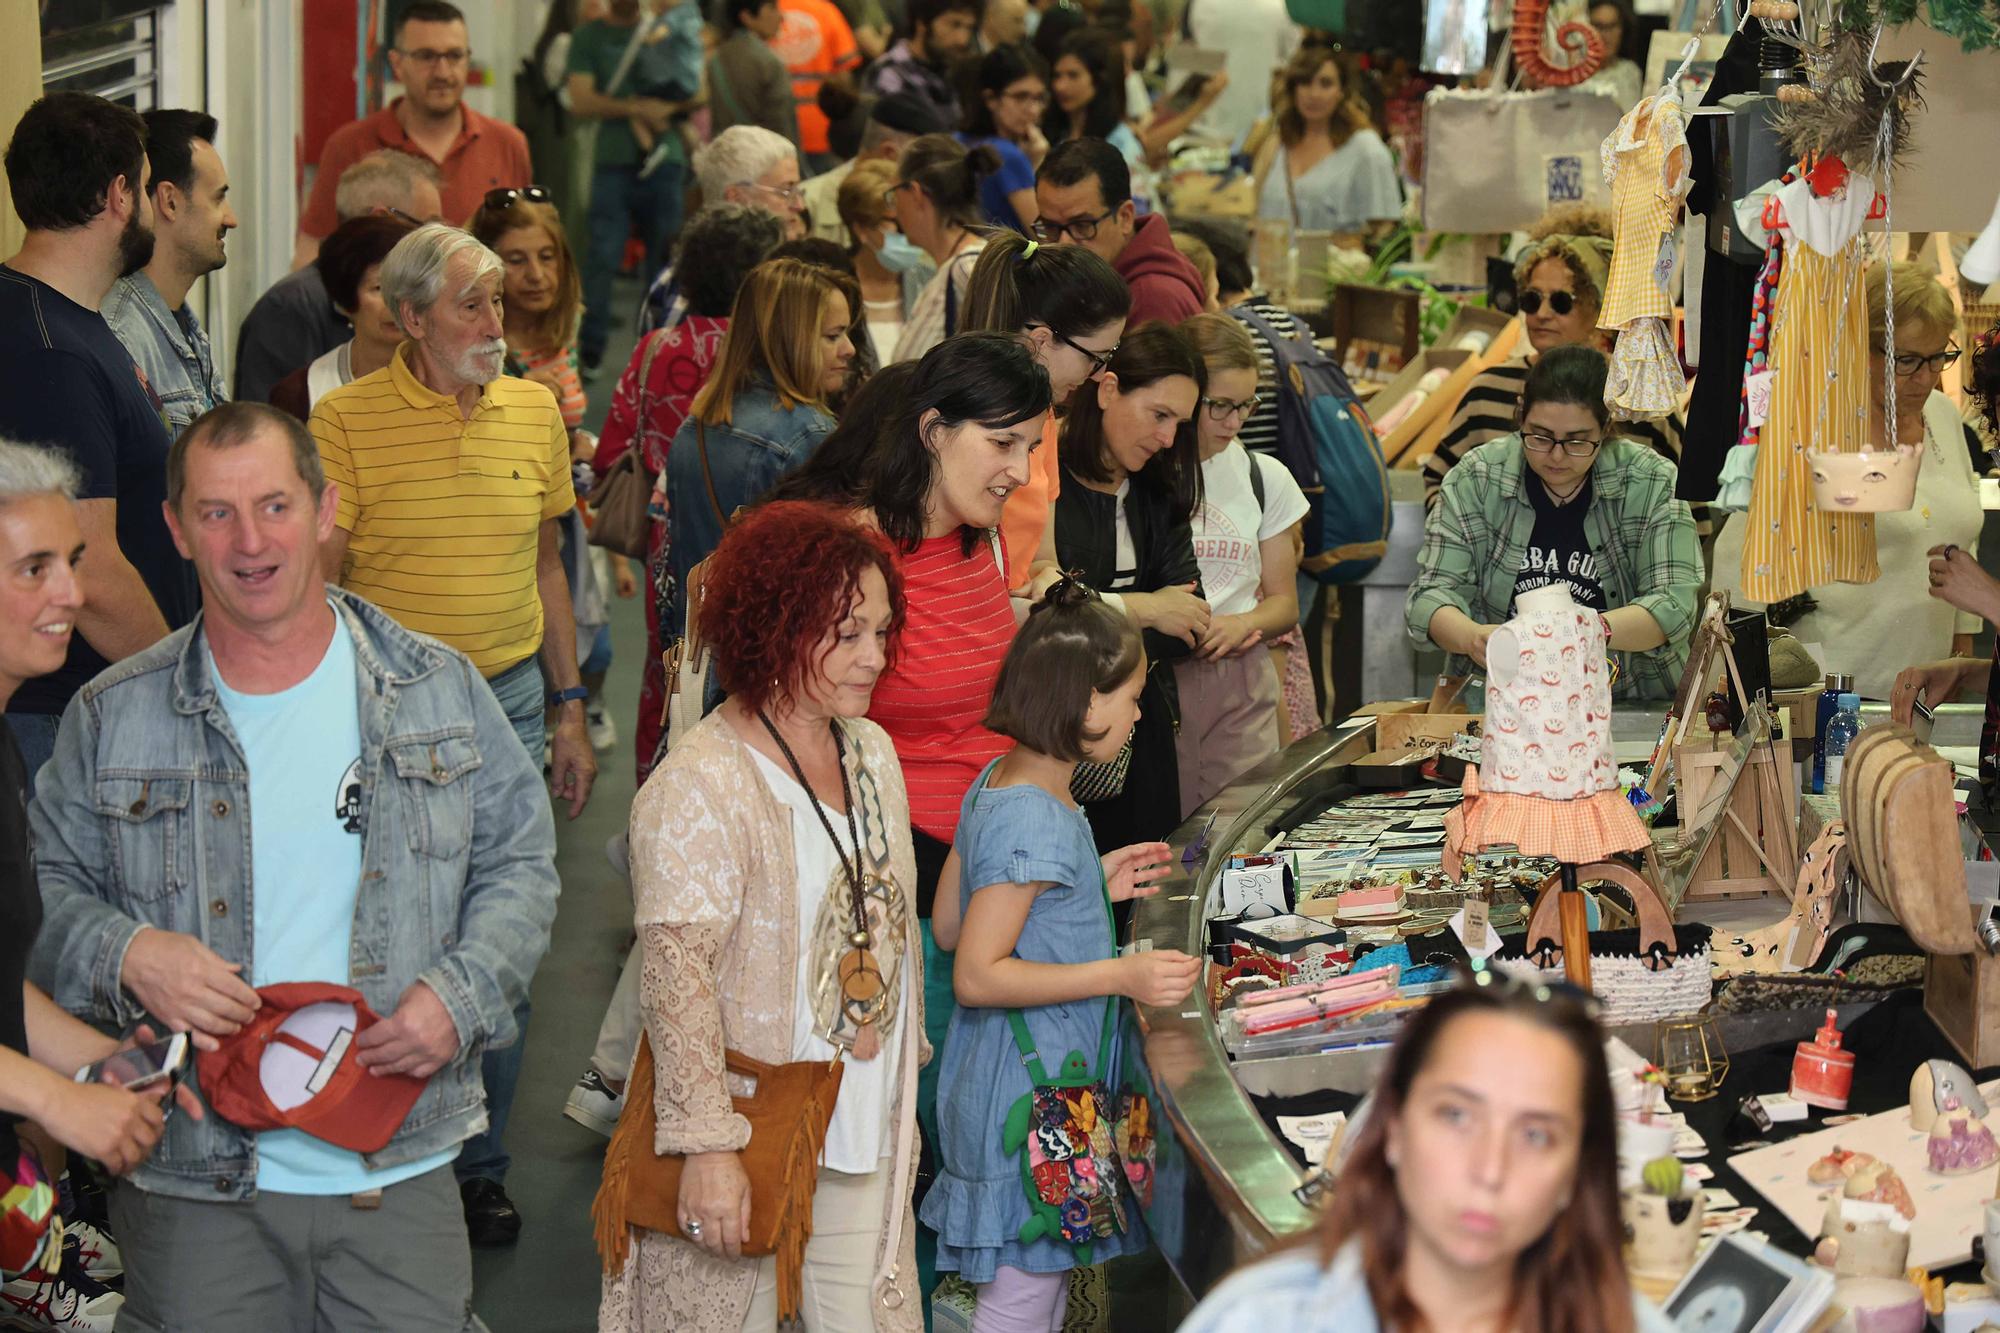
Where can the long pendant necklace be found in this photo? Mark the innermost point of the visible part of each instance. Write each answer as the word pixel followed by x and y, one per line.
pixel 861 985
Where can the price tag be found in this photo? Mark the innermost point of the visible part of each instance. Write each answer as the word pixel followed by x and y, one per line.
pixel 1757 395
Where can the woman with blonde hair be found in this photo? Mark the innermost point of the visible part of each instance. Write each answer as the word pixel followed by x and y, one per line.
pixel 1326 168
pixel 891 269
pixel 764 408
pixel 1894 623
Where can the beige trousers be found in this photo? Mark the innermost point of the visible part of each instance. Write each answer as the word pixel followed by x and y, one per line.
pixel 841 1258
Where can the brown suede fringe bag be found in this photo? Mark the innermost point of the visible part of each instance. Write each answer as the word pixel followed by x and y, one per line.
pixel 788 1114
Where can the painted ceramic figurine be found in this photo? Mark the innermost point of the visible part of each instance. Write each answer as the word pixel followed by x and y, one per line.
pixel 1932 1084
pixel 1833 1168
pixel 1959 1143
pixel 1877 1182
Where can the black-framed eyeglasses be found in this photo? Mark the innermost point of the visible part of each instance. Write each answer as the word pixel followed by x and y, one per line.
pixel 889 195
pixel 423 55
pixel 1540 442
pixel 1098 360
pixel 1079 229
pixel 1221 409
pixel 1531 300
pixel 1935 363
pixel 508 195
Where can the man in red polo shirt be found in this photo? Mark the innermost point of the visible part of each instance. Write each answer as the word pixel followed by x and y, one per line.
pixel 473 153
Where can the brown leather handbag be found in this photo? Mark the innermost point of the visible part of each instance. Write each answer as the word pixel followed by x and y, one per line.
pixel 788 1114
pixel 618 507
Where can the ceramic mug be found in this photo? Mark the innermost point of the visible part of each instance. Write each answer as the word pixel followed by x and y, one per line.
pixel 1663 1233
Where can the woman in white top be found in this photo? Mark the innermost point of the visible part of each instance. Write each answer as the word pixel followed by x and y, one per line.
pixel 350 265
pixel 1243 541
pixel 1479 1190
pixel 1326 169
pixel 1875 630
pixel 935 202
pixel 1618 75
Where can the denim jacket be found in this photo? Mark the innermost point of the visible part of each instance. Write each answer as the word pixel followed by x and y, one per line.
pixel 761 443
pixel 142 818
pixel 173 355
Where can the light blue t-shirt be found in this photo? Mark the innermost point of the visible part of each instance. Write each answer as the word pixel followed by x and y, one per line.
pixel 303 746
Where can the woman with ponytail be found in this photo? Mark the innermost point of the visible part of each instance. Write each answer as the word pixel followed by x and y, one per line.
pixel 935 202
pixel 1070 306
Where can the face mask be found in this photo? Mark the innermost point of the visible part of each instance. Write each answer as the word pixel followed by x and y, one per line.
pixel 1034 20
pixel 898 253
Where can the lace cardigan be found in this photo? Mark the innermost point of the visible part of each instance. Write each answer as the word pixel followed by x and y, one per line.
pixel 714 885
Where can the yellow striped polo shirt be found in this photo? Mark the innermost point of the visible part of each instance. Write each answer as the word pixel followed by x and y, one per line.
pixel 444 512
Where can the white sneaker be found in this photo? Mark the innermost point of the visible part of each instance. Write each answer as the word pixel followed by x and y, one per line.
pixel 603 733
pixel 70 1302
pixel 593 1104
pixel 97 1252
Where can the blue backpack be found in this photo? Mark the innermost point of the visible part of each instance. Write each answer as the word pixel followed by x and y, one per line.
pixel 1330 447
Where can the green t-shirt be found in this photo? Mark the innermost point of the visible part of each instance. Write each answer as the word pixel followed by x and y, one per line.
pixel 595 49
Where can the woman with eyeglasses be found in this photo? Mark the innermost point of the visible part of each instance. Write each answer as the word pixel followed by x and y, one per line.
pixel 1245 542
pixel 1561 502
pixel 1131 484
pixel 1560 281
pixel 935 202
pixel 1479 1191
pixel 1874 631
pixel 1006 117
pixel 1070 307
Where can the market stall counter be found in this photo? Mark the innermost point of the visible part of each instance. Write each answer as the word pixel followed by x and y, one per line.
pixel 1231 1186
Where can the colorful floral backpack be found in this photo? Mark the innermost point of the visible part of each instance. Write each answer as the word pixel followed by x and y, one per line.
pixel 1086 1155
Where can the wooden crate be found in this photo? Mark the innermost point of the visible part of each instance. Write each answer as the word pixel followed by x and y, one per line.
pixel 1962 996
pixel 1732 866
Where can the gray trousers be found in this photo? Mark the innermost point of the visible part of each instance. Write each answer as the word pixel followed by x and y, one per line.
pixel 297 1263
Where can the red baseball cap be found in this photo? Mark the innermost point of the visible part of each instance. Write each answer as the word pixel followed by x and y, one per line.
pixel 293 1066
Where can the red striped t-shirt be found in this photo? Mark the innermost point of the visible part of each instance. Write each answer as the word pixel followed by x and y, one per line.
pixel 956 628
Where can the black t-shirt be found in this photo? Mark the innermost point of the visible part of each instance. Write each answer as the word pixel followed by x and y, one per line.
pixel 1558 553
pixel 66 380
pixel 20 915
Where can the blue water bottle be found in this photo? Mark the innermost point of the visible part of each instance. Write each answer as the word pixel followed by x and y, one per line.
pixel 1829 703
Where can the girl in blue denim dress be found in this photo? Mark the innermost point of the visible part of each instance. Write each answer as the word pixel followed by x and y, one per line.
pixel 1025 902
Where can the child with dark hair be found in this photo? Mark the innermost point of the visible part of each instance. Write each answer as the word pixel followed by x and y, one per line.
pixel 1037 973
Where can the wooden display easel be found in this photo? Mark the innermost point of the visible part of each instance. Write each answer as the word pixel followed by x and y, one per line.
pixel 1758 839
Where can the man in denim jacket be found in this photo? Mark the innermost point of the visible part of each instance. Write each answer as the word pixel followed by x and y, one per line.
pixel 293 788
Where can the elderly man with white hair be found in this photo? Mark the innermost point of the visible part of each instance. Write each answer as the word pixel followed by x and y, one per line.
pixel 451 477
pixel 745 164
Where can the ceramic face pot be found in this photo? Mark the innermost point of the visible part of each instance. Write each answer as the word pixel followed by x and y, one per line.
pixel 1879 1305
pixel 1860 1239
pixel 1663 1233
pixel 1934 1082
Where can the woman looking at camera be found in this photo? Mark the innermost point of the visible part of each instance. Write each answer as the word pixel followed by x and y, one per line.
pixel 1480 1193
pixel 1561 502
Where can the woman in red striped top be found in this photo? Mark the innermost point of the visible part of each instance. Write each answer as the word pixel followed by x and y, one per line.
pixel 957 444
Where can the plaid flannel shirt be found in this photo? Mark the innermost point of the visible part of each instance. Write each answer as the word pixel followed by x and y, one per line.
pixel 1643 538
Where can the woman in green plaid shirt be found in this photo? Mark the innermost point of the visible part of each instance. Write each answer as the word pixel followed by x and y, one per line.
pixel 1560 501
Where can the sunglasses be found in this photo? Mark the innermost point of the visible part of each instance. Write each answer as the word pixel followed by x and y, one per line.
pixel 1541 992
pixel 1561 303
pixel 507 196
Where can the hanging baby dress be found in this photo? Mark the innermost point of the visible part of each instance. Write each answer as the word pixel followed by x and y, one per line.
pixel 1645 163
pixel 1819 396
pixel 1546 783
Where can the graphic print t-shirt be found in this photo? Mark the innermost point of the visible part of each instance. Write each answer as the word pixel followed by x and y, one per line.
pixel 303 746
pixel 1229 529
pixel 1558 552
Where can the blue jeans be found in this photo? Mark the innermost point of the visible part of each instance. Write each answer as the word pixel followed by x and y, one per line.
pixel 522 697
pixel 599 660
pixel 619 201
pixel 35 734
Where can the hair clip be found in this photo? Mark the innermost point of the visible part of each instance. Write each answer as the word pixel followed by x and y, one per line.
pixel 1029 251
pixel 1069 590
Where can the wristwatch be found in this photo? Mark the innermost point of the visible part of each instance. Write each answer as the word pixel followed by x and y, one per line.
pixel 557 698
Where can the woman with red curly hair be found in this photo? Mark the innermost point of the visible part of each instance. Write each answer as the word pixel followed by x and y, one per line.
pixel 772 845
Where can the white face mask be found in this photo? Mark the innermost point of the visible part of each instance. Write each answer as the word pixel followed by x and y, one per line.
pixel 1034 20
